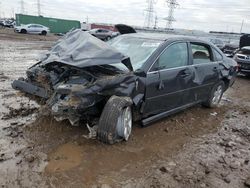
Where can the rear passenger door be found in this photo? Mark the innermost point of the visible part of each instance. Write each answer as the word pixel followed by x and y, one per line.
pixel 206 69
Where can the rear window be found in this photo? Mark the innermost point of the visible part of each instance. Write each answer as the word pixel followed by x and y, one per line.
pixel 201 54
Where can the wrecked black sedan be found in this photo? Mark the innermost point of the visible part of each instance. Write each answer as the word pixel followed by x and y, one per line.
pixel 134 77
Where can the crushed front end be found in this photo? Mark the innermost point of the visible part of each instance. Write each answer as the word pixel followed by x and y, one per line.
pixel 75 78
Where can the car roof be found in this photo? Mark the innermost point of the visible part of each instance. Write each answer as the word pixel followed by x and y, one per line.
pixel 164 37
pixel 35 24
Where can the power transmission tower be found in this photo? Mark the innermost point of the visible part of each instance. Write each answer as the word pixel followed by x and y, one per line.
pixel 149 18
pixel 172 4
pixel 242 23
pixel 22 6
pixel 38 8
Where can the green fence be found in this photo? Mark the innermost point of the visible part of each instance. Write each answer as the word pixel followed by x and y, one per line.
pixel 55 25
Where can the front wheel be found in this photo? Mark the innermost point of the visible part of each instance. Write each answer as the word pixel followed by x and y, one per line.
pixel 215 95
pixel 24 31
pixel 115 123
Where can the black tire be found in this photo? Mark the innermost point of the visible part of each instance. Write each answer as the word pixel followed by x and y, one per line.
pixel 24 31
pixel 108 38
pixel 107 127
pixel 209 103
pixel 44 33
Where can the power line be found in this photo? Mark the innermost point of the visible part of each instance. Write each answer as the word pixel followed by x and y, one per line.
pixel 172 4
pixel 149 18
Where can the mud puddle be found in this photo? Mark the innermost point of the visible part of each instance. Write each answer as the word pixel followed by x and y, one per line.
pixel 93 160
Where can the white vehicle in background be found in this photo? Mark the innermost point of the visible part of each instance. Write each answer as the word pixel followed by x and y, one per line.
pixel 32 29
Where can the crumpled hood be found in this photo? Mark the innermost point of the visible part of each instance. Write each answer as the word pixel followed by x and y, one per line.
pixel 80 49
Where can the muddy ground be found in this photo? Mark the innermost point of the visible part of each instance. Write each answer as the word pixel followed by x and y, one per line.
pixel 199 147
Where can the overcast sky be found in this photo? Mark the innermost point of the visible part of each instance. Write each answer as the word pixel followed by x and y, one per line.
pixel 206 15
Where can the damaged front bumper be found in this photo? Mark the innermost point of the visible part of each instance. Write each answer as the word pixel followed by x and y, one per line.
pixel 30 88
pixel 63 105
pixel 70 107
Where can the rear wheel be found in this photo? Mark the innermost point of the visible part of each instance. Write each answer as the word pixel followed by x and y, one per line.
pixel 115 123
pixel 215 95
pixel 108 38
pixel 44 33
pixel 24 31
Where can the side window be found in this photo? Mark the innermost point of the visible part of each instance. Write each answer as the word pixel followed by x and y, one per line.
pixel 201 54
pixel 175 55
pixel 218 56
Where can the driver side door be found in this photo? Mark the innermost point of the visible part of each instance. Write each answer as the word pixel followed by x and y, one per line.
pixel 168 80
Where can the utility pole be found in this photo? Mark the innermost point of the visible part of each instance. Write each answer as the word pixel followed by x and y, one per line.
pixel 13 12
pixel 38 8
pixel 156 21
pixel 172 4
pixel 242 23
pixel 22 6
pixel 149 14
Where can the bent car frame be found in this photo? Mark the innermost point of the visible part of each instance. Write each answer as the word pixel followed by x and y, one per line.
pixel 133 77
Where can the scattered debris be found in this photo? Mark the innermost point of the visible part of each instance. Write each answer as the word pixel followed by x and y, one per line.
pixel 213 113
pixel 92 132
pixel 163 169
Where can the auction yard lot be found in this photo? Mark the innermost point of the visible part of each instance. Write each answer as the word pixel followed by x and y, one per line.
pixel 199 147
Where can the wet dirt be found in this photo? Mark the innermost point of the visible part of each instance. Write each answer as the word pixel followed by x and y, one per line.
pixel 199 147
pixel 64 158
